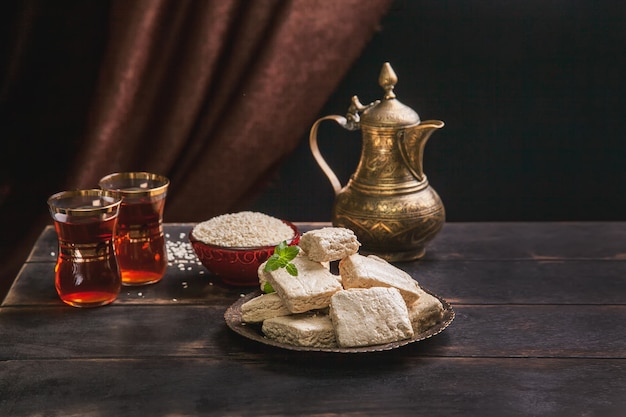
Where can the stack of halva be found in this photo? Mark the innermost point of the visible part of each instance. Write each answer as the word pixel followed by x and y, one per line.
pixel 370 302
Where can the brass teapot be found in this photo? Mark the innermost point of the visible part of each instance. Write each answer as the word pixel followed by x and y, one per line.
pixel 387 202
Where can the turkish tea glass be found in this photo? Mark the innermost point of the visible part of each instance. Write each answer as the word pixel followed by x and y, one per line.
pixel 86 271
pixel 139 240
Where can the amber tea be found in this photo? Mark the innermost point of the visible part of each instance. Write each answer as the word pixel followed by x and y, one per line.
pixel 139 240
pixel 86 273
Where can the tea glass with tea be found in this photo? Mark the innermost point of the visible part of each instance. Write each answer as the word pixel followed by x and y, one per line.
pixel 86 272
pixel 139 241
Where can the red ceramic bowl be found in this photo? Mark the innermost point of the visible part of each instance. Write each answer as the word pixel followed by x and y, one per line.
pixel 236 266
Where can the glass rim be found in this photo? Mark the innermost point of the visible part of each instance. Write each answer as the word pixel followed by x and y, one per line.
pixel 110 200
pixel 161 183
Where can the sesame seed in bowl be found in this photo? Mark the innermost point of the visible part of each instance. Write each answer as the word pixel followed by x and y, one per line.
pixel 233 246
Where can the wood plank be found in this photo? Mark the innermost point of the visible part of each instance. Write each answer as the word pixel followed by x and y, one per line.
pixel 523 282
pixel 529 240
pixel 35 286
pixel 45 247
pixel 200 331
pixel 185 281
pixel 473 241
pixel 467 282
pixel 373 385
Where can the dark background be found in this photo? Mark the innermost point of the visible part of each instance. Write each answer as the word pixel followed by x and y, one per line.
pixel 533 97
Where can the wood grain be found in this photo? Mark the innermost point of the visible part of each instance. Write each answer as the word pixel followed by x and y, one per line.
pixel 238 386
pixel 538 331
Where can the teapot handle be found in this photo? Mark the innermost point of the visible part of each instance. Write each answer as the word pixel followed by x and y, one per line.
pixel 343 122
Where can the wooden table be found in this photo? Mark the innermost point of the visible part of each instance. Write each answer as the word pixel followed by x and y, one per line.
pixel 540 330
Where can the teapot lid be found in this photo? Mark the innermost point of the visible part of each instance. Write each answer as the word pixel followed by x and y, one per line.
pixel 389 112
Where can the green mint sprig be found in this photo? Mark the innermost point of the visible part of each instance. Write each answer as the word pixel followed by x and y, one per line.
pixel 267 288
pixel 282 257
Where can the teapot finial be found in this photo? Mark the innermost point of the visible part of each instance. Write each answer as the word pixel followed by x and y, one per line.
pixel 388 80
pixel 388 112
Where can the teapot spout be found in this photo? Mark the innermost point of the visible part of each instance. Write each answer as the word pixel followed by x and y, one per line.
pixel 412 144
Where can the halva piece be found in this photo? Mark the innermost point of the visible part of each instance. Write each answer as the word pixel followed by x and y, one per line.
pixel 369 316
pixel 263 307
pixel 425 312
pixel 311 289
pixel 358 271
pixel 329 244
pixel 306 329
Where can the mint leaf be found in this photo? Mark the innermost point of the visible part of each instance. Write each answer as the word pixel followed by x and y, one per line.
pixel 280 248
pixel 274 262
pixel 267 288
pixel 290 252
pixel 282 257
pixel 291 269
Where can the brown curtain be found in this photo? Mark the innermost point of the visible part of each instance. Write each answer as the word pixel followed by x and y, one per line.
pixel 213 94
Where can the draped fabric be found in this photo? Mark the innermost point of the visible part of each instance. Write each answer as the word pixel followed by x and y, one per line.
pixel 213 94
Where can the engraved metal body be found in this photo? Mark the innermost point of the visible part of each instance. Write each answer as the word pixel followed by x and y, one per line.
pixel 387 202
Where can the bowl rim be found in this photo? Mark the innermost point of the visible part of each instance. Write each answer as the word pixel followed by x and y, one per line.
pixel 296 233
